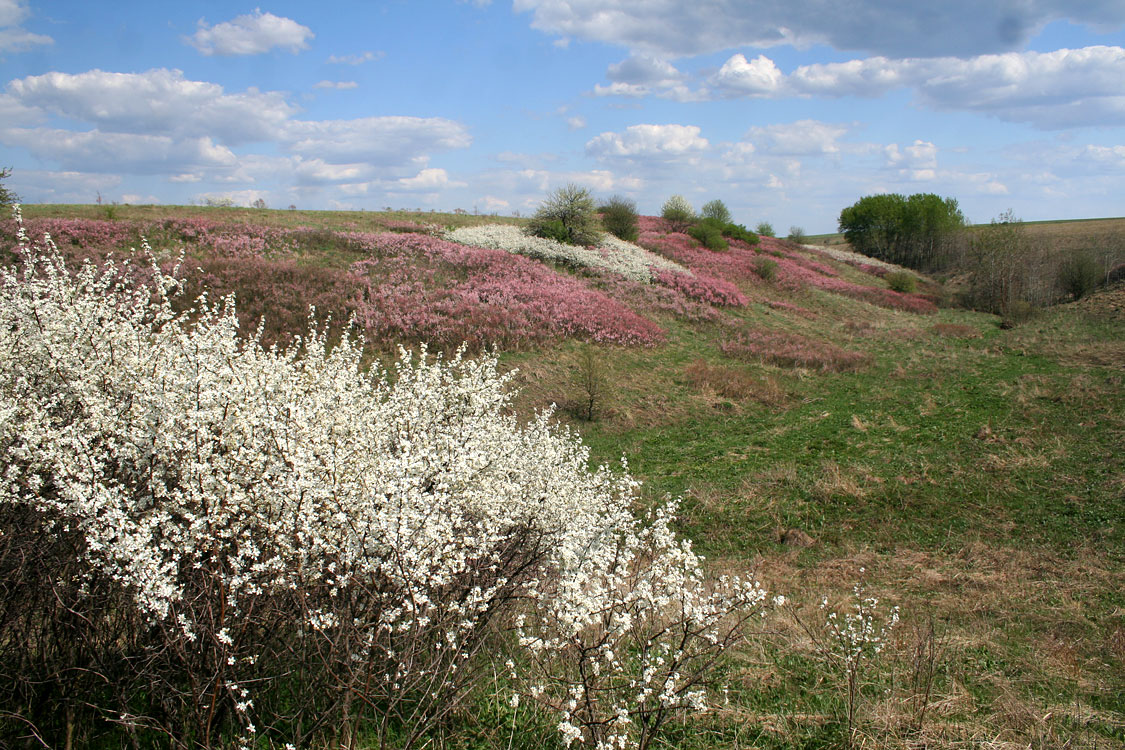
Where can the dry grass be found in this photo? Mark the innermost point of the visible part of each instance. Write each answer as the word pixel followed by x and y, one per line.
pixel 955 331
pixel 733 383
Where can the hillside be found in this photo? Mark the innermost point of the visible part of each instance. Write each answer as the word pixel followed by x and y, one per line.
pixel 821 427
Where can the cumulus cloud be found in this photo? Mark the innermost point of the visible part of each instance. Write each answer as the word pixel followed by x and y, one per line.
pixel 251 34
pixel 428 179
pixel 649 141
pixel 337 85
pixel 13 37
pixel 1063 88
pixel 804 137
pixel 668 29
pixel 758 77
pixel 157 101
pixel 379 140
pixel 95 151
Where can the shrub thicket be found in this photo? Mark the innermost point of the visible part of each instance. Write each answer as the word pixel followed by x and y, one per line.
pixel 901 281
pixel 1080 274
pixel 678 212
pixel 572 207
pixel 919 231
pixel 709 232
pixel 796 234
pixel 764 228
pixel 619 217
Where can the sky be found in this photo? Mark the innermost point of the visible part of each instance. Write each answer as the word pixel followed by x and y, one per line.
pixel 786 110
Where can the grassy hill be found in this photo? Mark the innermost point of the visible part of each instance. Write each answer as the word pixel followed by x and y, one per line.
pixel 821 428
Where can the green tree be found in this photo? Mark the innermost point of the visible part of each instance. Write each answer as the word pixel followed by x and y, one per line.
pixel 678 213
pixel 716 210
pixel 764 228
pixel 915 231
pixel 571 210
pixel 619 217
pixel 7 197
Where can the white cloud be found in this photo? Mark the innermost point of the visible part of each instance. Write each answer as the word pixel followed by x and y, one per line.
pixel 759 77
pixel 338 85
pixel 494 205
pixel 379 140
pixel 1112 157
pixel 648 141
pixel 668 28
pixel 95 151
pixel 576 123
pixel 251 34
pixel 1064 88
pixel 804 137
pixel 428 179
pixel 157 101
pixel 13 12
pixel 13 38
pixel 358 59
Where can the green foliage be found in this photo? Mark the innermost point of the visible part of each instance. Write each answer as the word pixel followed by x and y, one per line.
pixel 716 210
pixel 552 229
pixel 901 281
pixel 619 217
pixel 916 231
pixel 765 268
pixel 765 229
pixel 709 232
pixel 739 232
pixel 796 234
pixel 678 212
pixel 7 197
pixel 1079 275
pixel 572 206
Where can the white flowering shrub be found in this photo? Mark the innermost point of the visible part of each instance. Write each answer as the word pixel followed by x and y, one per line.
pixel 203 540
pixel 849 643
pixel 612 254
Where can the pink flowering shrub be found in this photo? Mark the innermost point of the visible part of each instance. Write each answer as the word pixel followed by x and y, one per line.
pixel 792 350
pixel 421 288
pixel 707 289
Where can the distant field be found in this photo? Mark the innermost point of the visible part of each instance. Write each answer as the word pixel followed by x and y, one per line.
pixel 821 429
pixel 1058 229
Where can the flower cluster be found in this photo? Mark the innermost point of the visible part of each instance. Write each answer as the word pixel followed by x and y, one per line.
pixel 246 541
pixel 421 288
pixel 613 254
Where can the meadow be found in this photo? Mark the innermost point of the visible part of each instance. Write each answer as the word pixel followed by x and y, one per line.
pixel 859 449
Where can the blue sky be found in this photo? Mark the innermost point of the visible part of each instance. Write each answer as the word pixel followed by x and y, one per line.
pixel 787 110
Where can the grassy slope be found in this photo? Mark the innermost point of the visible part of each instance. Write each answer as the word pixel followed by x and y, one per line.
pixel 975 475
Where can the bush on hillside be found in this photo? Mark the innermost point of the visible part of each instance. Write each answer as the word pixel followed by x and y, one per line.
pixel 572 206
pixel 710 234
pixel 901 281
pixel 764 228
pixel 739 232
pixel 796 234
pixel 206 543
pixel 678 213
pixel 1079 274
pixel 717 211
pixel 619 217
